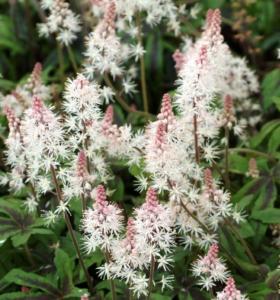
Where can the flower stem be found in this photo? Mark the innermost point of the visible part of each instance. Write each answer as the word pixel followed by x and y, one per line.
pixel 122 102
pixel 195 132
pixel 242 241
pixel 72 59
pixel 28 255
pixel 227 180
pixel 209 232
pixel 112 284
pixel 142 67
pixel 151 277
pixel 70 229
pixel 60 61
pixel 253 152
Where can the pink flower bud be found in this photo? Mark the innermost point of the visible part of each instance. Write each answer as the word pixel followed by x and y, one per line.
pixel 166 113
pixel 179 59
pixel 81 168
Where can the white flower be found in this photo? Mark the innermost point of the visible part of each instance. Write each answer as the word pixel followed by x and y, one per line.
pixel 166 282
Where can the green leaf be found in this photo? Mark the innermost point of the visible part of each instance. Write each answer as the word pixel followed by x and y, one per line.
pixel 274 141
pixel 246 230
pixel 238 163
pixel 266 129
pixel 64 269
pixel 32 280
pixel 271 87
pixel 268 216
pixel 20 239
pixel 23 296
pixel 118 195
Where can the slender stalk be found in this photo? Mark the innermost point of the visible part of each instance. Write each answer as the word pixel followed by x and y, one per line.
pixel 253 152
pixel 28 255
pixel 119 98
pixel 72 58
pixel 112 284
pixel 151 277
pixel 60 61
pixel 84 202
pixel 209 231
pixel 195 132
pixel 122 102
pixel 227 180
pixel 70 229
pixel 142 67
pixel 242 241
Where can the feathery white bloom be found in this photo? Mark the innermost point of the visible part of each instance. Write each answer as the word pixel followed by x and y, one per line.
pixel 61 21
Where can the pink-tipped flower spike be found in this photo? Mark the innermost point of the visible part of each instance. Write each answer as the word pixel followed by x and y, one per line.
pixel 230 292
pixel 15 153
pixel 81 167
pixel 228 119
pixel 109 17
pixel 35 77
pixel 159 141
pixel 202 57
pixel 108 119
pixel 129 241
pixel 253 168
pixel 208 181
pixel 166 114
pixel 179 59
pixel 210 268
pixel 154 228
pixel 213 26
pixel 102 224
pixel 43 139
pixel 14 122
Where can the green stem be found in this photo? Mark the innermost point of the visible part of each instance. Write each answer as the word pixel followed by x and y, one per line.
pixel 227 180
pixel 195 132
pixel 112 284
pixel 209 232
pixel 84 202
pixel 151 277
pixel 70 229
pixel 122 102
pixel 60 61
pixel 28 254
pixel 242 241
pixel 142 67
pixel 72 59
pixel 253 152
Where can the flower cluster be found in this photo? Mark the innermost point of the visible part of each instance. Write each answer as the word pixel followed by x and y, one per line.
pixel 210 269
pixel 61 21
pixel 230 292
pixel 102 223
pixel 21 98
pixel 149 240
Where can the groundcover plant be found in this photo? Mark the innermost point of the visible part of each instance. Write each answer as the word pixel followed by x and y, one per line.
pixel 139 149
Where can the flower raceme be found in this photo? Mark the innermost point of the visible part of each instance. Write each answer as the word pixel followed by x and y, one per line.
pixel 210 268
pixel 61 21
pixel 230 292
pixel 102 223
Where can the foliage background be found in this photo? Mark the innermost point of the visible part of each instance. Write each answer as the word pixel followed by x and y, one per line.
pixel 29 253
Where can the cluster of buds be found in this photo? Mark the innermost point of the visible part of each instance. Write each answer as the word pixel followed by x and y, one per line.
pixel 253 170
pixel 230 292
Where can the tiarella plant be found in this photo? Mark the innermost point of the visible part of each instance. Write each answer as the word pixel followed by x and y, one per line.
pixel 185 227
